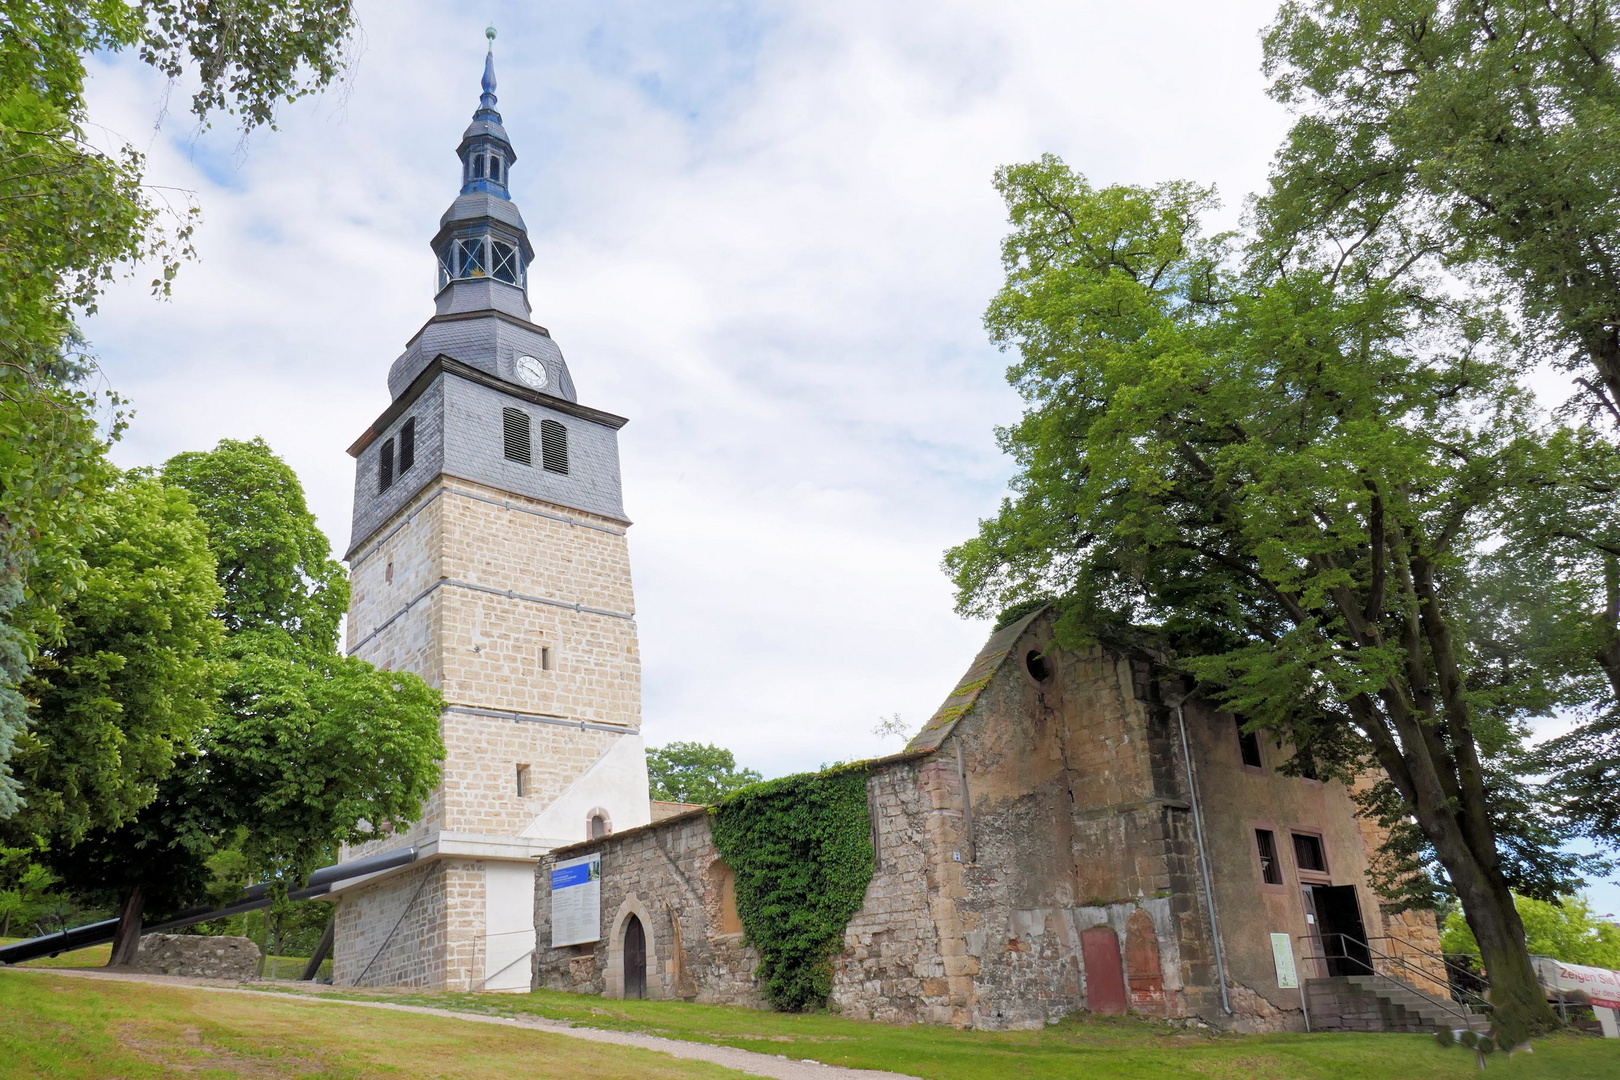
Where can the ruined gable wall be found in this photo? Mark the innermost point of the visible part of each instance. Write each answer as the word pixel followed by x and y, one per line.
pixel 1075 827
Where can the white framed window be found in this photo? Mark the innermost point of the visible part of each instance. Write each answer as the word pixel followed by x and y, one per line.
pixel 504 265
pixel 470 257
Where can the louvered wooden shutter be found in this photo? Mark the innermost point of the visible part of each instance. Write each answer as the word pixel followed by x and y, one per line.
pixel 515 428
pixel 554 446
pixel 407 446
pixel 385 466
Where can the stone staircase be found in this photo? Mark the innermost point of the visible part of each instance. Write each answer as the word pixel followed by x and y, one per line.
pixel 1380 1003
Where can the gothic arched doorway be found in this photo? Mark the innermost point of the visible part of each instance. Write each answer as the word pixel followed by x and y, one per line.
pixel 635 959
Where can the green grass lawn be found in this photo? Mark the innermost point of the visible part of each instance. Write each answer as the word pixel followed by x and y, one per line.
pixel 1088 1048
pixel 67 1028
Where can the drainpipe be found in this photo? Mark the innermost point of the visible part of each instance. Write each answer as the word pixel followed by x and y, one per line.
pixel 1203 861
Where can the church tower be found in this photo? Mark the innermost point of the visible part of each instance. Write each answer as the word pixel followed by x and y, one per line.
pixel 488 556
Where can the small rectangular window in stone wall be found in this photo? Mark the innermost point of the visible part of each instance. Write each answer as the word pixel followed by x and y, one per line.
pixel 554 446
pixel 1308 853
pixel 515 430
pixel 1249 746
pixel 1270 869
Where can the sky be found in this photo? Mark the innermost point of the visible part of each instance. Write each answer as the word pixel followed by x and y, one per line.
pixel 764 232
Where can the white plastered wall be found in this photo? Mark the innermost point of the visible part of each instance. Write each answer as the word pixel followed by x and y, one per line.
pixel 616 783
pixel 509 925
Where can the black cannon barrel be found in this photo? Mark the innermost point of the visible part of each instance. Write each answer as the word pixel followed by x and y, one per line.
pixel 370 865
pixel 76 937
pixel 251 898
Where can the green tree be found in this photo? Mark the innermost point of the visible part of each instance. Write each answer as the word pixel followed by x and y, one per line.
pixel 1490 129
pixel 70 216
pixel 1565 930
pixel 25 890
pixel 691 772
pixel 122 686
pixel 1485 134
pixel 305 747
pixel 1289 472
pixel 275 564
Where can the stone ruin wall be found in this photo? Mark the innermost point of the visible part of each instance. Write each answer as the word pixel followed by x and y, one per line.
pixel 904 957
pixel 933 942
pixel 198 956
pixel 670 876
pixel 1080 820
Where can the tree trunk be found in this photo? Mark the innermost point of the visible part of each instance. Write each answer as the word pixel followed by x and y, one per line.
pixel 1608 656
pixel 127 938
pixel 1521 1008
pixel 1444 785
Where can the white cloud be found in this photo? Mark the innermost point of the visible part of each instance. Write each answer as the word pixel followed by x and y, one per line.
pixel 766 234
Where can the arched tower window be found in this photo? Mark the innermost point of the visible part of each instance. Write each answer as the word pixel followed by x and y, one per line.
pixel 470 257
pixel 504 264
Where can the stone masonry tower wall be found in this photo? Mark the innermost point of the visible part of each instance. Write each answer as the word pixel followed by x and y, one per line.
pixel 489 556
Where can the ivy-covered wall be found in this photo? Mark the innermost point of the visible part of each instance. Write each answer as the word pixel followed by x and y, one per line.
pixel 800 849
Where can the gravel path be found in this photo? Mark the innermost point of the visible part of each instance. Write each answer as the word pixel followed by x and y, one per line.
pixel 746 1061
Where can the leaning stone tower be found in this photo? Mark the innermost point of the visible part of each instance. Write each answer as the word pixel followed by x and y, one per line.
pixel 488 555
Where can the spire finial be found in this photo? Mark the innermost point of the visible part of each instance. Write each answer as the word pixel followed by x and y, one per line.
pixel 487 99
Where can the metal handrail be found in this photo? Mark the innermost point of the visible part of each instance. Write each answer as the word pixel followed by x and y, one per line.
pixel 1452 967
pixel 1469 1010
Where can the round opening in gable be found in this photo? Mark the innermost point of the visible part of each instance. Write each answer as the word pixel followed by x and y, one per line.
pixel 1039 668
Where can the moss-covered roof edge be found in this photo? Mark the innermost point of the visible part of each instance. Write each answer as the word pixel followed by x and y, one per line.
pixel 966 695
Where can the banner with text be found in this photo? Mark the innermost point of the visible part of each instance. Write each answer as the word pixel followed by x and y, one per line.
pixel 1601 986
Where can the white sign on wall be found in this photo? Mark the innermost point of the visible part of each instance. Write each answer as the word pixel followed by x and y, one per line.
pixel 576 900
pixel 1282 953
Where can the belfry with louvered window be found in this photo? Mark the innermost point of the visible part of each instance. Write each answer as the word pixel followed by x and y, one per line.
pixel 488 555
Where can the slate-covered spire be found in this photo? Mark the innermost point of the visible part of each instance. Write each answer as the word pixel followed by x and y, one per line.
pixel 486 101
pixel 482 245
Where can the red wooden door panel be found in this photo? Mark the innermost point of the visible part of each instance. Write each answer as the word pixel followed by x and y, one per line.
pixel 1105 975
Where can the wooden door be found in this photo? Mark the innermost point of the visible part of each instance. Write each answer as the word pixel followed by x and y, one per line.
pixel 635 959
pixel 1105 975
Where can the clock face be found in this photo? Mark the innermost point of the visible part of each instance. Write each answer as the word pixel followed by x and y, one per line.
pixel 531 371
